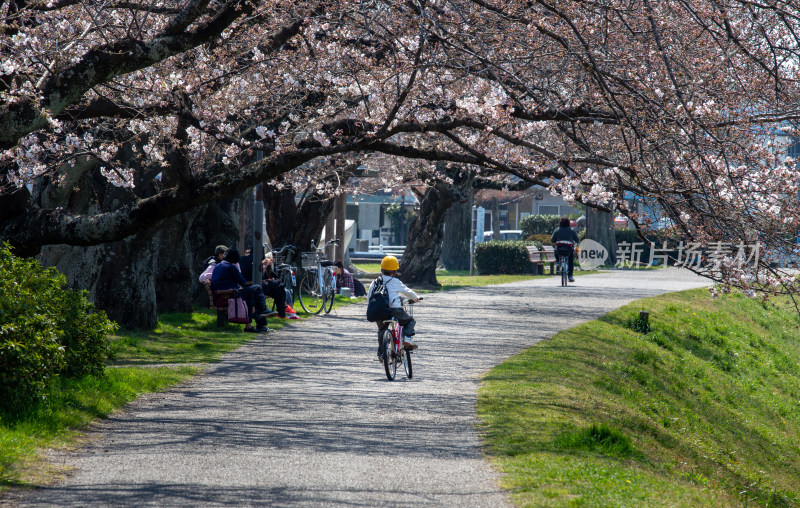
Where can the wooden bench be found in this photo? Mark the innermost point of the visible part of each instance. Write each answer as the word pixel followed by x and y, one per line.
pixel 539 258
pixel 550 257
pixel 218 301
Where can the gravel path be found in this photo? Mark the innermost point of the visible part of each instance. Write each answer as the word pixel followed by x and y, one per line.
pixel 304 416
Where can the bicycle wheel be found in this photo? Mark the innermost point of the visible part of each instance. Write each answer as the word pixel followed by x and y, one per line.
pixel 329 292
pixel 564 275
pixel 389 361
pixel 310 294
pixel 407 364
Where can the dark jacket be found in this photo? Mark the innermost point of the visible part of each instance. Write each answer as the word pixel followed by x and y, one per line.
pixel 246 265
pixel 564 234
pixel 226 276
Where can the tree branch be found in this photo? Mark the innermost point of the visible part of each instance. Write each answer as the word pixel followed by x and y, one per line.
pixel 102 64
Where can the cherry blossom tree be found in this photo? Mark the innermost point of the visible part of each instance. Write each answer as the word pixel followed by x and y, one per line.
pixel 688 103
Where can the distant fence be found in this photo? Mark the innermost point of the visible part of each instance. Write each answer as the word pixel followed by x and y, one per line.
pixel 387 250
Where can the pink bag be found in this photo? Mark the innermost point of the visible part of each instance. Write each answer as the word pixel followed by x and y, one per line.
pixel 237 311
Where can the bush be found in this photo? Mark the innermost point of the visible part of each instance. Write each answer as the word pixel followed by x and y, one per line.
pixel 506 257
pixel 539 225
pixel 46 330
pixel 541 239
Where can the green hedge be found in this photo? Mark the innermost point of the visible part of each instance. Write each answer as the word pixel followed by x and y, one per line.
pixel 46 330
pixel 539 225
pixel 503 257
pixel 543 239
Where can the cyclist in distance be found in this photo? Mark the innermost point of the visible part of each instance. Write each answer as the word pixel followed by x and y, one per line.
pixel 565 239
pixel 395 289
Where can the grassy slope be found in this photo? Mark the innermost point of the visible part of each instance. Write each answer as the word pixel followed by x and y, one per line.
pixel 703 410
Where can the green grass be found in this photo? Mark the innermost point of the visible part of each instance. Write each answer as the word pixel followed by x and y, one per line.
pixel 71 404
pixel 700 411
pixel 190 337
pixel 181 338
pixel 368 267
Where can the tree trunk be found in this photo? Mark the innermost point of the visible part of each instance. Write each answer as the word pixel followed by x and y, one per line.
pixel 154 270
pixel 216 224
pixel 424 244
pixel 600 228
pixel 495 219
pixel 298 224
pixel 134 279
pixel 280 214
pixel 174 263
pixel 457 230
pixel 295 224
pixel 311 217
pixel 330 233
pixel 340 211
pixel 118 277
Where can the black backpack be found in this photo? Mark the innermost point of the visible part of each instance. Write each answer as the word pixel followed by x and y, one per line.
pixel 360 290
pixel 378 304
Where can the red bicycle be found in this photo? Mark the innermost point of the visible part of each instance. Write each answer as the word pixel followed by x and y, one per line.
pixel 393 350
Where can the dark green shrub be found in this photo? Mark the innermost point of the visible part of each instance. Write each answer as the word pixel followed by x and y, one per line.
pixel 598 438
pixel 84 336
pixel 639 324
pixel 506 257
pixel 46 330
pixel 539 225
pixel 542 239
pixel 29 356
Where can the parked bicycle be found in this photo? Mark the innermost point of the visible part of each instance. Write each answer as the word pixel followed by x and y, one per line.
pixel 393 350
pixel 286 272
pixel 317 288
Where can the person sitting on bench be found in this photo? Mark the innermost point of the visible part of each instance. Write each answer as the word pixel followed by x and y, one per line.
pixel 226 275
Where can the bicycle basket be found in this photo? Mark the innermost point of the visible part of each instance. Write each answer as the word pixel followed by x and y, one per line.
pixel 308 260
pixel 279 259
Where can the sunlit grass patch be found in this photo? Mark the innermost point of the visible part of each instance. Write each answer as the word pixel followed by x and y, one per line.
pixel 701 410
pixel 369 267
pixel 190 337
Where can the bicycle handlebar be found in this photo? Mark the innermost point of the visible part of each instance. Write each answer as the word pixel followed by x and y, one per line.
pixel 329 242
pixel 283 249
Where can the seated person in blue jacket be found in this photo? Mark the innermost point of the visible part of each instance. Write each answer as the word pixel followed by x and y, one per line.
pixel 226 275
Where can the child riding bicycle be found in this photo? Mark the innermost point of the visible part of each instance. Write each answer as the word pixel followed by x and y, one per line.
pixel 565 239
pixel 395 289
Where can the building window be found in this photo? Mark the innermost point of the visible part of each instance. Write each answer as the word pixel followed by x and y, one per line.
pixel 548 209
pixel 794 152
